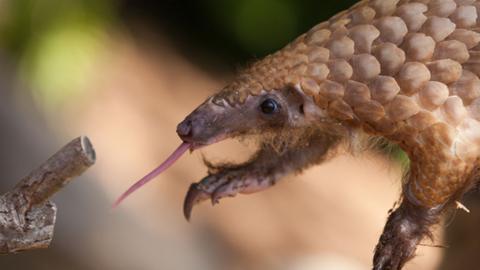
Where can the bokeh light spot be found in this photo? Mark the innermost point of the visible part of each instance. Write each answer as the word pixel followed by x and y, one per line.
pixel 62 63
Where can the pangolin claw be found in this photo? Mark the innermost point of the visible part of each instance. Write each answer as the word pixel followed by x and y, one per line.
pixel 227 183
pixel 194 196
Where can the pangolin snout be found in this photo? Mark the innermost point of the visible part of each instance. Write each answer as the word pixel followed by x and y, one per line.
pixel 194 129
pixel 184 130
pixel 205 125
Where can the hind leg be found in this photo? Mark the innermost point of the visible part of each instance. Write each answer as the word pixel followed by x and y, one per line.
pixel 426 196
pixel 405 228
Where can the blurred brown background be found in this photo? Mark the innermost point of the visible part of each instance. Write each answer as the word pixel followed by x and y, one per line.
pixel 125 73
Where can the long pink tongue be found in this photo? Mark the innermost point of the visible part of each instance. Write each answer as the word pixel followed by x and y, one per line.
pixel 161 168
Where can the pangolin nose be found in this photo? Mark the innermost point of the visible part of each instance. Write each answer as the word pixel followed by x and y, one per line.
pixel 184 129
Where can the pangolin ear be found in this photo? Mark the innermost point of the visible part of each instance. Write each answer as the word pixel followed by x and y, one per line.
pixel 304 103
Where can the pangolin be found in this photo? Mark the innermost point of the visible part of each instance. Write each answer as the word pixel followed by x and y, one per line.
pixel 401 71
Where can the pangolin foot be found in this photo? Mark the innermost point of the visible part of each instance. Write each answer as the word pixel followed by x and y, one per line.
pixel 223 184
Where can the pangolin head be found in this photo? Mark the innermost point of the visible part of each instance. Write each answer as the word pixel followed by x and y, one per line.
pixel 273 94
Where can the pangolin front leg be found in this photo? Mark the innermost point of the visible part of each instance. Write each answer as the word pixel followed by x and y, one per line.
pixel 262 171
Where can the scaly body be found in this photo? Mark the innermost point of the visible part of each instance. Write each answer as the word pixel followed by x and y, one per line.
pixel 405 71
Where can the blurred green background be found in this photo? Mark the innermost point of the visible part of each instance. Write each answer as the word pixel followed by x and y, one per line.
pixel 52 37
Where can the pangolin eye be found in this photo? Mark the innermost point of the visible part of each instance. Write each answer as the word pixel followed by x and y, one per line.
pixel 269 106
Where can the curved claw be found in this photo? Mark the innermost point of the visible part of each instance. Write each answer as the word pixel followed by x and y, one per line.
pixel 194 196
pixel 202 191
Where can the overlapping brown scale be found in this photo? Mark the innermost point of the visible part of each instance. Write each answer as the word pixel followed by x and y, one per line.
pixel 452 49
pixel 422 120
pixel 365 67
pixel 445 70
pixel 433 94
pixel 300 69
pixel 331 90
pixel 405 135
pixel 242 94
pixel 318 37
pixel 441 8
pixel 342 47
pixel 419 47
pixel 310 87
pixel 294 55
pixel 262 69
pixel 384 88
pixel 318 54
pixel 279 78
pixel 392 28
pixel 390 57
pixel 270 83
pixel 412 77
pixel 385 126
pixel 339 109
pixel 438 28
pixel 340 25
pixel 468 37
pixel 254 88
pixel 473 63
pixel 340 70
pixel 467 87
pixel 299 46
pixel 318 71
pixel 384 7
pixel 464 16
pixel 401 108
pixel 363 36
pixel 362 15
pixel 370 111
pixel 356 93
pixel 454 110
pixel 413 15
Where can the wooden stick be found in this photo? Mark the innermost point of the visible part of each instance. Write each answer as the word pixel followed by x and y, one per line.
pixel 27 217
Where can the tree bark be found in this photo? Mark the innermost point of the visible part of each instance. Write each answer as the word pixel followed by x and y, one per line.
pixel 27 217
